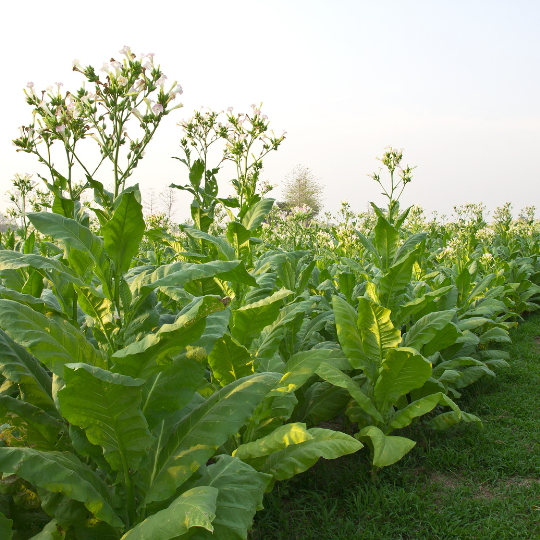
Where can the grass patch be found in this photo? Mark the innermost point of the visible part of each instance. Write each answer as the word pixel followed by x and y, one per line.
pixel 463 483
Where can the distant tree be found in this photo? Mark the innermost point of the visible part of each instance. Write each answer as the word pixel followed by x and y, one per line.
pixel 302 188
pixel 167 199
pixel 151 202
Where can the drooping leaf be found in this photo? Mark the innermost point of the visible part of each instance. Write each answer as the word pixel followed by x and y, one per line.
pixel 53 342
pixel 279 439
pixel 404 417
pixel 30 426
pixel 194 508
pixel 297 458
pixel 75 235
pixel 61 472
pixel 387 449
pixel 17 365
pixel 106 406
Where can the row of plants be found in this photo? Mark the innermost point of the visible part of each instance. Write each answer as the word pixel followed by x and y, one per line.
pixel 156 383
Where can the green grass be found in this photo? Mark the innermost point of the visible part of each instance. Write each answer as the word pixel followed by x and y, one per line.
pixel 463 483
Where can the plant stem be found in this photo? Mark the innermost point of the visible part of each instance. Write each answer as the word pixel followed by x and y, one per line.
pixel 130 496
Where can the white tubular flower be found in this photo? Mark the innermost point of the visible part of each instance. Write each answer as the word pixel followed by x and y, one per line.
pixel 157 108
pixel 256 112
pixel 30 85
pixel 139 83
pixel 77 65
pixel 43 106
pixel 148 66
pixel 105 67
pixel 122 81
pixel 116 65
pixel 126 50
pixel 229 109
pixel 137 114
pixel 61 128
pixel 161 80
pixel 178 90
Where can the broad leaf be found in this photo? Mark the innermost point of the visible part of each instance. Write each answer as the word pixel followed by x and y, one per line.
pixel 229 360
pixel 106 406
pixel 402 370
pixel 54 343
pixel 194 508
pixel 297 458
pixel 241 491
pixel 199 434
pixel 123 233
pixel 248 321
pixel 387 449
pixel 61 472
pixel 338 378
pixel 17 365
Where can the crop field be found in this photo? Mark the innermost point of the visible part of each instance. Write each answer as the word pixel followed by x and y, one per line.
pixel 258 371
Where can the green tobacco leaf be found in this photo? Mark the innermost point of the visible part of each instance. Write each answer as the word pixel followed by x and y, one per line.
pixel 338 378
pixel 397 278
pixel 19 366
pixel 257 213
pixel 194 508
pixel 229 360
pixel 402 370
pixel 106 406
pixel 404 417
pixel 223 246
pixel 350 338
pixel 297 458
pixel 180 274
pixel 241 491
pixel 322 402
pixel 73 234
pixel 386 241
pixel 387 449
pixel 368 244
pixel 301 366
pixel 122 234
pixel 6 532
pixel 171 390
pixel 29 425
pixel 12 260
pixel 61 472
pixel 377 331
pixel 448 419
pixel 54 343
pixel 279 439
pixel 157 351
pixel 198 435
pixel 423 331
pixel 52 531
pixel 248 321
pixel 239 237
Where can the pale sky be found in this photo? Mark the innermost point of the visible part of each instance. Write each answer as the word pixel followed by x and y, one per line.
pixel 455 83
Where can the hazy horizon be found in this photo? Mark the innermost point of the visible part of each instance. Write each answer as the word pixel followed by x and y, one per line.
pixel 455 85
